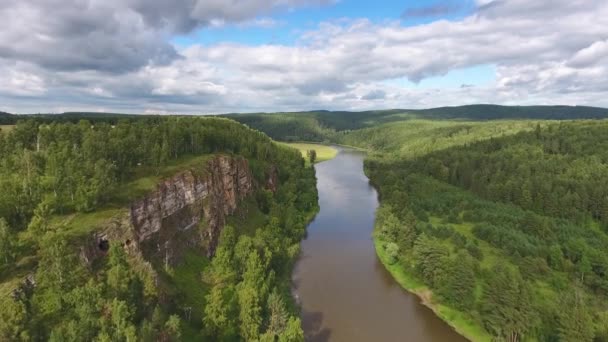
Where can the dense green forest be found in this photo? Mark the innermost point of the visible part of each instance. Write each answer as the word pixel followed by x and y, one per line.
pixel 498 212
pixel 503 221
pixel 505 229
pixel 321 125
pixel 49 171
pixel 325 125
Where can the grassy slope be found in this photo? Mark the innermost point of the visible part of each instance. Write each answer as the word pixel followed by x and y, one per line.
pixel 6 128
pixel 324 152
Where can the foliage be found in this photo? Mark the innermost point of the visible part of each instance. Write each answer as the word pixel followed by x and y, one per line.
pixel 506 263
pixel 323 125
pixel 58 179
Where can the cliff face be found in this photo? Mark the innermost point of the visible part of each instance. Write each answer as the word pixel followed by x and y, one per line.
pixel 190 208
pixel 187 210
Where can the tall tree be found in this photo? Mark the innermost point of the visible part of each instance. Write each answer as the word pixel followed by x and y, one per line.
pixel 7 243
pixel 506 307
pixel 575 324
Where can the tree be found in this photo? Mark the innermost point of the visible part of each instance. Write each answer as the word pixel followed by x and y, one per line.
pixel 506 308
pixel 430 259
pixel 119 326
pixel 278 315
pixel 293 332
pixel 312 156
pixel 173 328
pixel 458 282
pixel 219 311
pixel 7 243
pixel 85 304
pixel 392 251
pixel 13 319
pixel 119 276
pixel 250 312
pixel 575 323
pixel 40 222
pixel 584 267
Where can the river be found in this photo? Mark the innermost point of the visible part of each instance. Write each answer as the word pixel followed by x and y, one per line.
pixel 344 290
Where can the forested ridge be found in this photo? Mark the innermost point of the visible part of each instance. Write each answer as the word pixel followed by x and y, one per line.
pixel 503 221
pixel 506 231
pixel 49 170
pixel 329 125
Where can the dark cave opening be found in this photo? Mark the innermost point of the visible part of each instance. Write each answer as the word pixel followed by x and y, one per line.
pixel 103 245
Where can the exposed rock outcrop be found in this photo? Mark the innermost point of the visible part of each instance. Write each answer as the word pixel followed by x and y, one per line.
pixel 190 208
pixel 187 210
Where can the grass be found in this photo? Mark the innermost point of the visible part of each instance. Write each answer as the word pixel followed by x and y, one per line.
pixel 456 319
pixel 324 152
pixel 6 128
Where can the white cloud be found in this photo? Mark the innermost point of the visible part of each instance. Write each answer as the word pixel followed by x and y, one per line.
pixel 544 52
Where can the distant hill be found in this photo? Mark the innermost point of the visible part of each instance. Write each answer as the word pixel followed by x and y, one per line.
pixel 6 118
pixel 76 116
pixel 319 124
pixel 493 112
pixel 315 125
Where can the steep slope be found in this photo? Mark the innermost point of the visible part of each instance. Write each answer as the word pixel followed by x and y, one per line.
pixel 144 223
pixel 186 211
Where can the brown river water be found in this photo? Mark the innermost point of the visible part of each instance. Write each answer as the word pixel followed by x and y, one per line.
pixel 344 291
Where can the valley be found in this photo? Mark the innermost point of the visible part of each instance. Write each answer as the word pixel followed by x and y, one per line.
pixel 201 228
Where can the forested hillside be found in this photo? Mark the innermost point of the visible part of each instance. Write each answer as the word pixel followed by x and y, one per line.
pixel 506 229
pixel 6 118
pixel 498 224
pixel 321 125
pixel 59 182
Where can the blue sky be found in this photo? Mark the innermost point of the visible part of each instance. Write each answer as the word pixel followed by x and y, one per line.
pixel 284 27
pixel 215 56
pixel 290 23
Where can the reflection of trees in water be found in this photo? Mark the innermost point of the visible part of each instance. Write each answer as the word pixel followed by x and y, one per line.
pixel 314 331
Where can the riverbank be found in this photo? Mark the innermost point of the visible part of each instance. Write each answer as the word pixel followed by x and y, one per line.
pixel 453 318
pixel 324 152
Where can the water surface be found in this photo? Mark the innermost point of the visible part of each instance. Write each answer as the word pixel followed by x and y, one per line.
pixel 345 292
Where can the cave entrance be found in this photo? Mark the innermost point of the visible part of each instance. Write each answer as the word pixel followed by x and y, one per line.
pixel 103 245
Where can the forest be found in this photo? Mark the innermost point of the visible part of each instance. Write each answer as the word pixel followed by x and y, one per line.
pixel 500 220
pixel 52 170
pixel 328 126
pixel 505 230
pixel 498 212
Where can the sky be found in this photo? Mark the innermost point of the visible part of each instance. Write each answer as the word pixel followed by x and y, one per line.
pixel 220 56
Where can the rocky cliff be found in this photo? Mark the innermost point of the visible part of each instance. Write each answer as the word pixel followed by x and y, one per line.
pixel 187 210
pixel 190 208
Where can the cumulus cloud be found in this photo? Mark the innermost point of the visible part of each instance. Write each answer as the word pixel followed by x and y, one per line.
pixel 116 35
pixel 543 52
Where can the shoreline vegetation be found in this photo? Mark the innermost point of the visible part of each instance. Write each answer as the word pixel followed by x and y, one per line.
pixel 455 319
